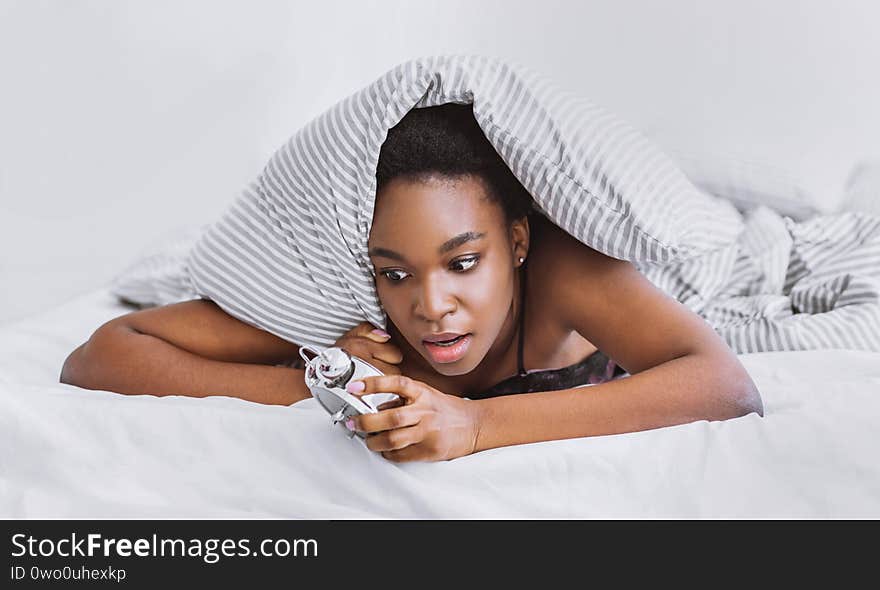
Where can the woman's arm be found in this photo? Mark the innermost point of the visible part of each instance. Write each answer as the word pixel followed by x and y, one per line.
pixel 193 349
pixel 681 369
pixel 431 425
pixel 686 389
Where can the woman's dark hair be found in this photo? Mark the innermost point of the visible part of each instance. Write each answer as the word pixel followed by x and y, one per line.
pixel 446 140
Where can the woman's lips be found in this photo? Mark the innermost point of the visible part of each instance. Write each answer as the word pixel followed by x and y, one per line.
pixel 448 354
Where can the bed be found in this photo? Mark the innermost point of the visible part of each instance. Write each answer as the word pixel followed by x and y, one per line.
pixel 795 294
pixel 72 453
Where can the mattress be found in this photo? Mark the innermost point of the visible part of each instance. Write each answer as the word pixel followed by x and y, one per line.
pixel 66 452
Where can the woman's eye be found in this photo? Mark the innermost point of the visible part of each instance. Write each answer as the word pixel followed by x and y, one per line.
pixel 461 265
pixel 395 276
pixel 465 264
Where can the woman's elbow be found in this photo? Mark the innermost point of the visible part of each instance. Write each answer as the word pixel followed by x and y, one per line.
pixel 742 398
pixel 734 393
pixel 750 401
pixel 71 370
pixel 82 367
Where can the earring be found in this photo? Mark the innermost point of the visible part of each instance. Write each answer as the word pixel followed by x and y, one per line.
pixel 521 259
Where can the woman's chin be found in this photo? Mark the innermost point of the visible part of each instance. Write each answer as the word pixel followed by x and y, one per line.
pixel 462 367
pixel 453 369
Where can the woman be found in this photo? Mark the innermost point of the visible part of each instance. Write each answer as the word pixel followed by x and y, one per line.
pixel 484 299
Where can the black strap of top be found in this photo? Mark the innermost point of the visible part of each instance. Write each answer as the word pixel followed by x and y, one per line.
pixel 522 321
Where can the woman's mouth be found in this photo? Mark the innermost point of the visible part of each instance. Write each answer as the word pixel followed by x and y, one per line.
pixel 448 351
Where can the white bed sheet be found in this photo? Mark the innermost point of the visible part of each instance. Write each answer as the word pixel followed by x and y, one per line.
pixel 72 453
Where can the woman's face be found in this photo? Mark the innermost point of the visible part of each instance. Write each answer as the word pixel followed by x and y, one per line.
pixel 445 263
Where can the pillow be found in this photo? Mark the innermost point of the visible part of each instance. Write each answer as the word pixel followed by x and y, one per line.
pixel 290 255
pixel 748 184
pixel 862 192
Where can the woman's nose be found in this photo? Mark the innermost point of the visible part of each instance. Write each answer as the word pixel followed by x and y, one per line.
pixel 435 300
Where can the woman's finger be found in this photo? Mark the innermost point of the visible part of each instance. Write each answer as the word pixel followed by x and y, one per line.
pixel 386 352
pixel 392 440
pixel 412 452
pixel 368 330
pixel 378 335
pixel 395 403
pixel 402 417
pixel 399 384
pixel 385 367
pixel 363 349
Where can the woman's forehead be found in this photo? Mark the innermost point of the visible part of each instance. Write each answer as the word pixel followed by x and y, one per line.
pixel 430 213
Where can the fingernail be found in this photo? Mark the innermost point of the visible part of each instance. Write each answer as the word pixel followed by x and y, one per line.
pixel 350 424
pixel 381 333
pixel 355 386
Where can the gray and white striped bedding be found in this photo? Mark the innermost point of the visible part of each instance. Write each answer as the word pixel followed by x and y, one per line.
pixel 289 256
pixel 785 285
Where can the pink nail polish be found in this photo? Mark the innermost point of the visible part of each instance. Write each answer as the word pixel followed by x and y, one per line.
pixel 350 424
pixel 381 333
pixel 355 386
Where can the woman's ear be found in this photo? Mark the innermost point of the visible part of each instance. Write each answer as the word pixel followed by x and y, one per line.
pixel 519 237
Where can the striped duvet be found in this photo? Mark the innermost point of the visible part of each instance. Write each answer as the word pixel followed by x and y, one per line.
pixel 787 286
pixel 289 256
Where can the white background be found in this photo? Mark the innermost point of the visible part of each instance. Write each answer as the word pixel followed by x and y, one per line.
pixel 121 121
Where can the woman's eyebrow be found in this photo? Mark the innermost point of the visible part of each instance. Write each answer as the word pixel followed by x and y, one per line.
pixel 448 245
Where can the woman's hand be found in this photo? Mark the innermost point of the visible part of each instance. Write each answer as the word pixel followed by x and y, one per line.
pixel 369 343
pixel 427 425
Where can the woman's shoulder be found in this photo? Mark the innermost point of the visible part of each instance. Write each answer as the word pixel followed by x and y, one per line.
pixel 558 256
pixel 556 261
